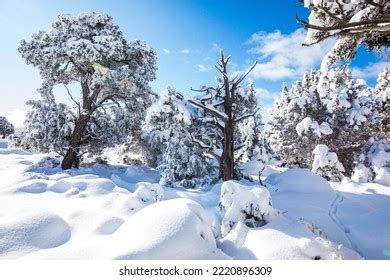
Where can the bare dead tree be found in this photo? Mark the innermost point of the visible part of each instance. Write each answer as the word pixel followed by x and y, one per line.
pixel 220 103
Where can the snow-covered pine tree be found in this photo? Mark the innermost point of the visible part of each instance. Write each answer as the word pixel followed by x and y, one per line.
pixel 169 125
pixel 249 131
pixel 90 50
pixel 6 128
pixel 373 160
pixel 382 91
pixel 340 113
pixel 223 112
pixel 294 130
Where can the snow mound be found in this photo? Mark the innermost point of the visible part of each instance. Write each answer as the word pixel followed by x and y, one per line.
pixel 31 232
pixel 32 186
pixel 3 144
pixel 172 229
pixel 135 174
pixel 143 196
pixel 383 176
pixel 282 239
pixel 371 233
pixel 109 225
pixel 89 184
pixel 298 180
pixel 250 205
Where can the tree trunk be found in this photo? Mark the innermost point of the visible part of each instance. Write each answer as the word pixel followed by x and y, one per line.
pixel 71 158
pixel 228 153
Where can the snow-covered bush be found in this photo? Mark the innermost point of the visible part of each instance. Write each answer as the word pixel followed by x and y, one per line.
pixel 6 128
pixel 249 205
pixel 374 160
pixel 47 127
pixel 146 194
pixel 326 163
pixel 341 113
pixel 44 164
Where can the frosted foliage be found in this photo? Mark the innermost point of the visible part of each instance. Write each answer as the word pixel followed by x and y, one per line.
pixel 309 125
pixel 249 132
pixel 331 109
pixel 374 160
pixel 326 163
pixel 328 14
pixel 6 128
pixel 47 127
pixel 90 46
pixel 168 127
pixel 249 205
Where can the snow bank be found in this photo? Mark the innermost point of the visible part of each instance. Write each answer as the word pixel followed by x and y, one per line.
pixel 30 232
pixel 364 214
pixel 383 176
pixel 172 229
pixel 298 180
pixel 250 205
pixel 283 239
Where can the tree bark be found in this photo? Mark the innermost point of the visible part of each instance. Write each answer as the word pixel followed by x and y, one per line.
pixel 228 154
pixel 71 158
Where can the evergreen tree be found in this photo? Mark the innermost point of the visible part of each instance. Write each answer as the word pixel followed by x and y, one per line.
pixel 91 51
pixel 6 128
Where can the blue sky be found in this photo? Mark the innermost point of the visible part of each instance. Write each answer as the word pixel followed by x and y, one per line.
pixel 187 36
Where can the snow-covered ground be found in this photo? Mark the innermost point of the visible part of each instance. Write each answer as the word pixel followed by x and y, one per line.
pixel 120 212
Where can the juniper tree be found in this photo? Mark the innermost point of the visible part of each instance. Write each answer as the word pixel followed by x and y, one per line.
pixel 113 74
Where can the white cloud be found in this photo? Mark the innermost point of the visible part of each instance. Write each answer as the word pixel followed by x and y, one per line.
pixel 167 51
pixel 16 117
pixel 202 68
pixel 282 56
pixel 185 51
pixel 215 47
pixel 370 71
pixel 266 100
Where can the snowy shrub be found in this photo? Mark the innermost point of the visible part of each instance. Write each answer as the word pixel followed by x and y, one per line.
pixel 373 160
pixel 47 127
pixel 341 113
pixel 146 194
pixel 326 163
pixel 44 164
pixel 6 128
pixel 251 206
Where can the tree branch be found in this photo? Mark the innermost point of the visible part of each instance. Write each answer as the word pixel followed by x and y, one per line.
pixel 71 97
pixel 212 112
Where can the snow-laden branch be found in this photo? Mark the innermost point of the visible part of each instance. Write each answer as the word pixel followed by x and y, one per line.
pixel 211 110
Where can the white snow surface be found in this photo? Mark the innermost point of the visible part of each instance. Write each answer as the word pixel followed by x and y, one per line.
pixel 120 212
